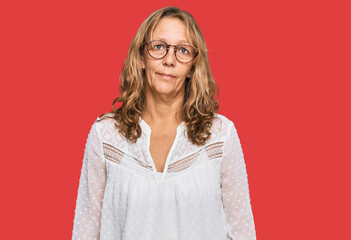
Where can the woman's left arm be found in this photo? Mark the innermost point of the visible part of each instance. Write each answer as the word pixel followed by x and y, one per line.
pixel 235 189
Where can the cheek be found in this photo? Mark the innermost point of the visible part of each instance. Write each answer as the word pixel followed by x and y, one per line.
pixel 151 66
pixel 186 71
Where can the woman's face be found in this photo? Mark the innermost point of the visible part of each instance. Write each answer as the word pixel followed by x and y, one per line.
pixel 173 32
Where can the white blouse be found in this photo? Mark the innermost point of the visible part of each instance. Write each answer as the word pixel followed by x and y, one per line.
pixel 203 192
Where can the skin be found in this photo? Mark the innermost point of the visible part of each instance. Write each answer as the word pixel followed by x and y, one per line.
pixel 164 95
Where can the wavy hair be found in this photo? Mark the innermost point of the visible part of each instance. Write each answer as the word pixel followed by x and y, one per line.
pixel 199 103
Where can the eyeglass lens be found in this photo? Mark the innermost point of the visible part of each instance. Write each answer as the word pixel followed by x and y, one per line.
pixel 158 49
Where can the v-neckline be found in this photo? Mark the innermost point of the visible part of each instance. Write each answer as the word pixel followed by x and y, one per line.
pixel 159 176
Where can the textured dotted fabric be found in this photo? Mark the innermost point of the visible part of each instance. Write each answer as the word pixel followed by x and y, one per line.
pixel 202 193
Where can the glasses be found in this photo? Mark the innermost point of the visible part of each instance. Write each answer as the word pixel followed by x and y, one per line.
pixel 184 53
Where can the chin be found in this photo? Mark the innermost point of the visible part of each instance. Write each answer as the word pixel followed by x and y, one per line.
pixel 164 87
pixel 164 91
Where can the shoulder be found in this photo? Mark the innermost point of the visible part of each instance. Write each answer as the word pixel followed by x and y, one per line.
pixel 221 127
pixel 107 121
pixel 104 117
pixel 102 125
pixel 221 122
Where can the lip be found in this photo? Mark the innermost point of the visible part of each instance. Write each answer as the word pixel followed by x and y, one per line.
pixel 166 75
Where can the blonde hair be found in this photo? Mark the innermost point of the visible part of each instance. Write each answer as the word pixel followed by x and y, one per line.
pixel 199 103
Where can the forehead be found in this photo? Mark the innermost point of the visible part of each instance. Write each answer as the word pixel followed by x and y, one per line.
pixel 170 30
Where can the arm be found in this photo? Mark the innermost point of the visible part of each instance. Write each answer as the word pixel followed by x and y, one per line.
pixel 91 189
pixel 235 190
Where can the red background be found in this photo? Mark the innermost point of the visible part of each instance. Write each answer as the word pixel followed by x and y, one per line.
pixel 283 68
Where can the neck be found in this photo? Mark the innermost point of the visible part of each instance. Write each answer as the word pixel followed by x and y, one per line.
pixel 163 110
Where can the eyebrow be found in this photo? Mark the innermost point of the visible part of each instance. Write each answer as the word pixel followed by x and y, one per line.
pixel 181 41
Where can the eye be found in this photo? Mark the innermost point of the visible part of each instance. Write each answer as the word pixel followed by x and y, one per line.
pixel 158 47
pixel 183 50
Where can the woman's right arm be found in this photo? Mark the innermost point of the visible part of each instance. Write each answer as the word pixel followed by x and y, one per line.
pixel 91 189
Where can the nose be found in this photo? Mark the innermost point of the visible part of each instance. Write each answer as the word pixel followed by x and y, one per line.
pixel 170 58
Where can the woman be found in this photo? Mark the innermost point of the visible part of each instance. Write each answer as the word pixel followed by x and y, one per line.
pixel 164 165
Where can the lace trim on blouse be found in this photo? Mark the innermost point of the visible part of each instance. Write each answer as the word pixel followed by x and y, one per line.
pixel 113 154
pixel 214 150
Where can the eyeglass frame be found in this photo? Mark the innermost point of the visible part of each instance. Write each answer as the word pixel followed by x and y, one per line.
pixel 175 50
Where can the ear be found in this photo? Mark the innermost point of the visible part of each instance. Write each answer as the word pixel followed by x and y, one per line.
pixel 142 61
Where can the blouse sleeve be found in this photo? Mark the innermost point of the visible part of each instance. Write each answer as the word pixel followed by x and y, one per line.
pixel 91 189
pixel 235 189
